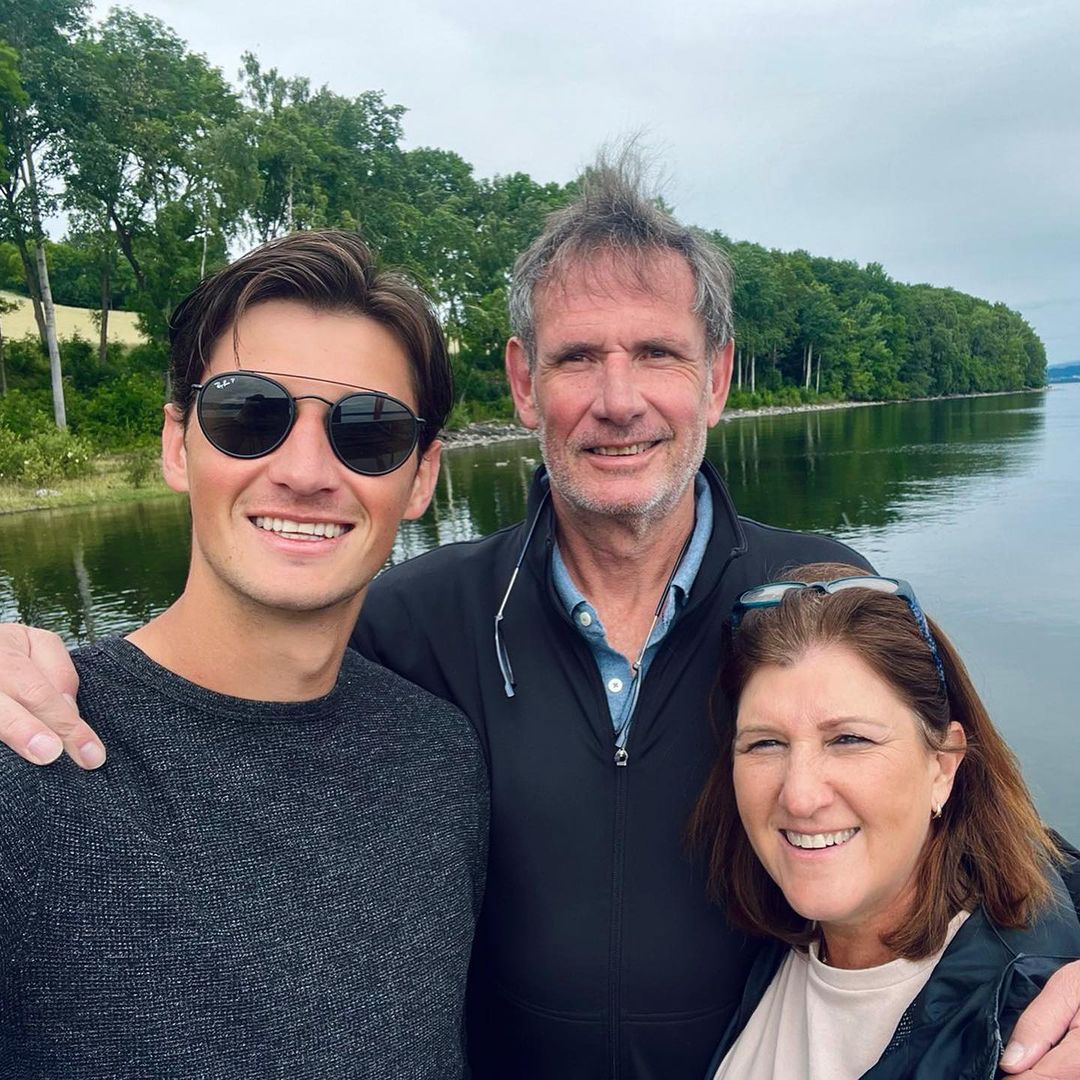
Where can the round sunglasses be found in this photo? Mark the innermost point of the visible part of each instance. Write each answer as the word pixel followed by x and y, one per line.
pixel 247 415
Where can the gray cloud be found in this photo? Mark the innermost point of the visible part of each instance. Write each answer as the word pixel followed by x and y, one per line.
pixel 938 138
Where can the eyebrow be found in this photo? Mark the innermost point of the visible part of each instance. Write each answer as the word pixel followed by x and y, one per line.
pixel 826 725
pixel 565 349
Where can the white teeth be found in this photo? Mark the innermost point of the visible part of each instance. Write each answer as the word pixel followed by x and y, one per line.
pixel 818 840
pixel 296 530
pixel 621 451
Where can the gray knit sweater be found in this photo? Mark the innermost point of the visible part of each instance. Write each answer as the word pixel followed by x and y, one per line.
pixel 245 889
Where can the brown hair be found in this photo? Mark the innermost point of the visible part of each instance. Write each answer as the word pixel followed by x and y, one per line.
pixel 989 846
pixel 326 269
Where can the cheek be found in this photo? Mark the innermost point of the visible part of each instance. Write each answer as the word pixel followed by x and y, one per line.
pixel 564 399
pixel 754 793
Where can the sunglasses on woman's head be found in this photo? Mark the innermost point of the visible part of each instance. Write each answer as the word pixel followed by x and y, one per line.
pixel 772 593
pixel 247 415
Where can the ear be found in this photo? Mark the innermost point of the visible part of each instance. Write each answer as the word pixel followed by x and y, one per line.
pixel 423 485
pixel 520 378
pixel 946 762
pixel 720 380
pixel 174 449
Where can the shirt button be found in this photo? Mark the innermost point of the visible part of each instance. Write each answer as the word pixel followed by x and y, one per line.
pixel 614 685
pixel 584 618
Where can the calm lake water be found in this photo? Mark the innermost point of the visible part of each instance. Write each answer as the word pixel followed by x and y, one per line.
pixel 974 500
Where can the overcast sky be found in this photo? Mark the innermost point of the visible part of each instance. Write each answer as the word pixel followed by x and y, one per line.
pixel 939 138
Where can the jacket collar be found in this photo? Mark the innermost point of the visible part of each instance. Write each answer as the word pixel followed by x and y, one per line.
pixel 728 538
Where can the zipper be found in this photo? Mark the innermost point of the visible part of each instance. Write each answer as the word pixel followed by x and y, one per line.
pixel 615 946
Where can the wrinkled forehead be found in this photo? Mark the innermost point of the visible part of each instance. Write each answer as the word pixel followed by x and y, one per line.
pixel 613 274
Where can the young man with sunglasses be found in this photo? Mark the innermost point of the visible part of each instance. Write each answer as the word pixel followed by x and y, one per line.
pixel 269 876
pixel 584 643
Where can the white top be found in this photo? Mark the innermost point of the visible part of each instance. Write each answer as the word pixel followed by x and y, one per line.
pixel 852 1015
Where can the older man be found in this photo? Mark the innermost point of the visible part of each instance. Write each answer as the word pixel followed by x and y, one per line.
pixel 597 954
pixel 584 643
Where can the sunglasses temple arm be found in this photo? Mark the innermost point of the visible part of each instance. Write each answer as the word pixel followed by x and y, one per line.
pixel 500 650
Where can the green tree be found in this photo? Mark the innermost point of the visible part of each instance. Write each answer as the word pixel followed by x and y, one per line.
pixel 142 137
pixel 318 155
pixel 40 31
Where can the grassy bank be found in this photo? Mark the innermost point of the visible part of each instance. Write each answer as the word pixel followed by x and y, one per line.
pixel 115 478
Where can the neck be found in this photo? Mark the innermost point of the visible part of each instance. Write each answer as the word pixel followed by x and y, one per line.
pixel 250 652
pixel 622 565
pixel 841 947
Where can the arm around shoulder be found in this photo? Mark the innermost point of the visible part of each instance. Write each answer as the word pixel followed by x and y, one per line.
pixel 38 715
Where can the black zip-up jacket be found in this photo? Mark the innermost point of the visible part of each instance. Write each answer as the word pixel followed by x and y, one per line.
pixel 597 954
pixel 957 1026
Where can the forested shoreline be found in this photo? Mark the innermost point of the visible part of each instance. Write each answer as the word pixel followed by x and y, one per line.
pixel 162 167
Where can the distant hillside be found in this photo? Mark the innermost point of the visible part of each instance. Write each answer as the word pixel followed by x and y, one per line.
pixel 1063 373
pixel 70 322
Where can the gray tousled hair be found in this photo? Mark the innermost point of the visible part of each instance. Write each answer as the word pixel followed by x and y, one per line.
pixel 614 215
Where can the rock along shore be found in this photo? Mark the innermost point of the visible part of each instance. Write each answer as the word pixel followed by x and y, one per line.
pixel 487 432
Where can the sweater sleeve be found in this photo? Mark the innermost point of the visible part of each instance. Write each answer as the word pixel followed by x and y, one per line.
pixel 20 839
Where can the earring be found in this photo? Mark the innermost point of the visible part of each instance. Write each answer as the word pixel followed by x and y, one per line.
pixel 937 811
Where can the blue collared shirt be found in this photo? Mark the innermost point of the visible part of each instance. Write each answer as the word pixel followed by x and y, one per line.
pixel 615 669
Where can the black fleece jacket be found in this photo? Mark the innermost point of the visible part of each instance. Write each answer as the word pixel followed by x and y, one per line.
pixel 597 953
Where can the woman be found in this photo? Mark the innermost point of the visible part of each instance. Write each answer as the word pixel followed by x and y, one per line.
pixel 879 830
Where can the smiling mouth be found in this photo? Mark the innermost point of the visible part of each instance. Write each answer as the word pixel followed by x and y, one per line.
pixel 818 840
pixel 301 530
pixel 622 451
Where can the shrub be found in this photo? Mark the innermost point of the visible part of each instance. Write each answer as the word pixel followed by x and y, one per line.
pixel 43 458
pixel 10 455
pixel 142 465
pixel 24 412
pixel 120 413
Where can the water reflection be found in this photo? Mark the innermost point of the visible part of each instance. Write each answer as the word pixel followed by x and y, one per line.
pixel 93 571
pixel 855 469
pixel 852 472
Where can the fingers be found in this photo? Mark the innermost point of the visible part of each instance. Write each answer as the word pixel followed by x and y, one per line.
pixel 38 717
pixel 1054 1015
pixel 1061 1063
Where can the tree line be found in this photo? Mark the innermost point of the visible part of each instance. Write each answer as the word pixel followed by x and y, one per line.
pixel 161 166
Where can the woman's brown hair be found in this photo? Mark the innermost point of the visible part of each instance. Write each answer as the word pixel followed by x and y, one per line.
pixel 989 845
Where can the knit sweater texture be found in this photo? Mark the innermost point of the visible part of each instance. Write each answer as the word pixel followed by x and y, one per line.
pixel 245 888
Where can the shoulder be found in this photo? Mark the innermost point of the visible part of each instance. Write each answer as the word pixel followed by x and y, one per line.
pixel 1055 930
pixel 976 992
pixel 20 792
pixel 22 808
pixel 778 550
pixel 405 708
pixel 109 665
pixel 422 617
pixel 119 688
pixel 445 566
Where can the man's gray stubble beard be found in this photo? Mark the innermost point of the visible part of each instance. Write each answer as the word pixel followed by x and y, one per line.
pixel 662 503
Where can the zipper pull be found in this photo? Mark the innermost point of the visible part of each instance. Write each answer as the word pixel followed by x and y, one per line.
pixel 621 756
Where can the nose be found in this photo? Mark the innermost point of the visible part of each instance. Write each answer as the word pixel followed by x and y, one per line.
pixel 305 462
pixel 806 787
pixel 619 397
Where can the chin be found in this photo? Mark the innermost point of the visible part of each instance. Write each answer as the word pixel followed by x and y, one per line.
pixel 818 908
